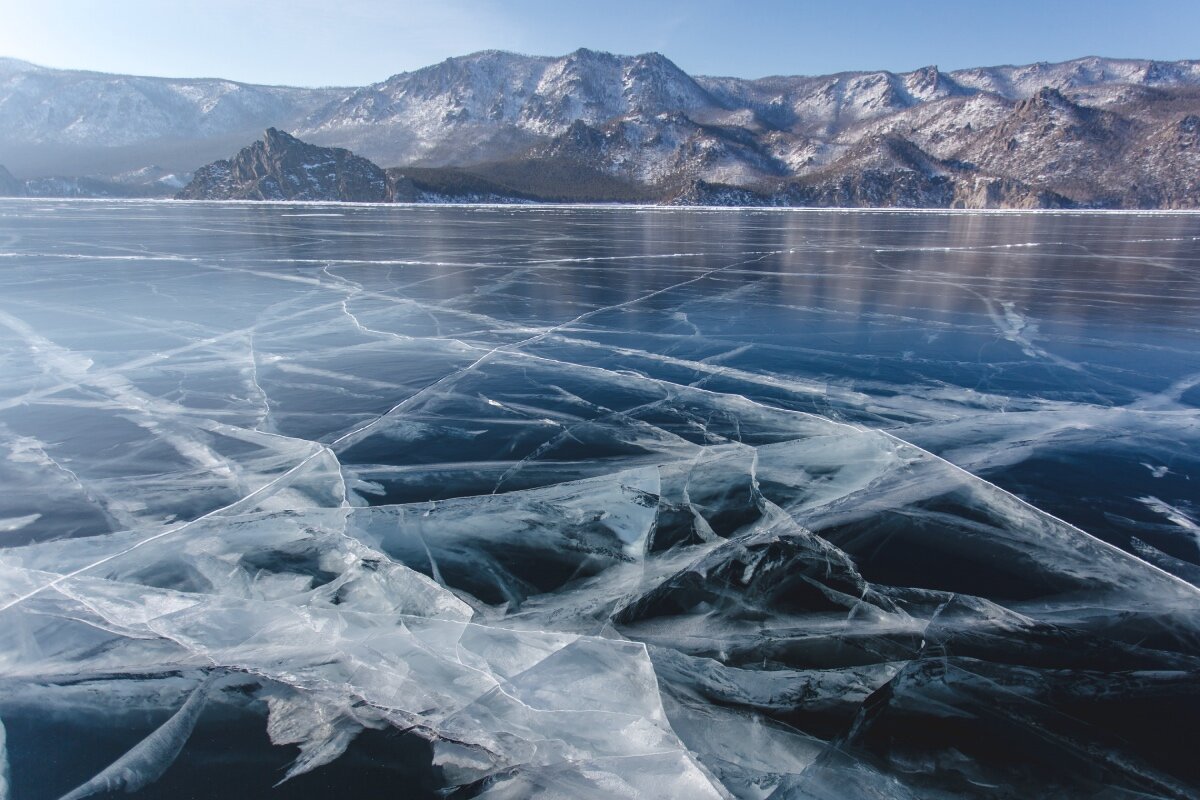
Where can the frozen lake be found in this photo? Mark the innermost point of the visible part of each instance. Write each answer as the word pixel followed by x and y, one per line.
pixel 571 502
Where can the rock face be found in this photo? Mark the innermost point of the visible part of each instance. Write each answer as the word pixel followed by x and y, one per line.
pixel 588 126
pixel 985 192
pixel 281 167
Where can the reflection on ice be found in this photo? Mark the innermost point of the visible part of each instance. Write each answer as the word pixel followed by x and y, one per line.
pixel 595 504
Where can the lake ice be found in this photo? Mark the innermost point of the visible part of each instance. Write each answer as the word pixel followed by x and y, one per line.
pixel 597 502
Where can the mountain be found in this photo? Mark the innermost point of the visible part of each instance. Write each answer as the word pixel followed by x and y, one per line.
pixel 493 105
pixel 75 122
pixel 592 126
pixel 281 167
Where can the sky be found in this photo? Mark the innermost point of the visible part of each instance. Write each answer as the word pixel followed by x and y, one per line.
pixel 354 42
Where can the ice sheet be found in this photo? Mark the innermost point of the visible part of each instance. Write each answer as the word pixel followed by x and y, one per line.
pixel 597 503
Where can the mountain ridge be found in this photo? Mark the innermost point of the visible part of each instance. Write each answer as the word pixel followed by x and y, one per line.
pixel 1090 132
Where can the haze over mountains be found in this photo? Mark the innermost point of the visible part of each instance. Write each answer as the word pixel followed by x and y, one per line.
pixel 1092 132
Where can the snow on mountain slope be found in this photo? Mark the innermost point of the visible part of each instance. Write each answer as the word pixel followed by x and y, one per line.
pixel 39 105
pixel 660 149
pixel 826 104
pixel 1088 131
pixel 493 104
pixel 1020 82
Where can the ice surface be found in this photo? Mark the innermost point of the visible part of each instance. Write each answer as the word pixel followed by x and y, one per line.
pixel 597 503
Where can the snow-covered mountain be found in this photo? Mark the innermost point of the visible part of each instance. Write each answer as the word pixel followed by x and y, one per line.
pixel 56 121
pixel 43 105
pixel 492 104
pixel 1092 131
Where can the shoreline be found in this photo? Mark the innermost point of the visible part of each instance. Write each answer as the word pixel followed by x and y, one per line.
pixel 641 207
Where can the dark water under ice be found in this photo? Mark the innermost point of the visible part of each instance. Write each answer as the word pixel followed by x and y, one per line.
pixel 570 502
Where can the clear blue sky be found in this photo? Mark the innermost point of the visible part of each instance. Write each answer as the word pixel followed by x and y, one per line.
pixel 351 42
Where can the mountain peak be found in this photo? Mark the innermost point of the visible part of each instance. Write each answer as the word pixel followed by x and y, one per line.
pixel 657 59
pixel 587 53
pixel 281 167
pixel 275 139
pixel 930 82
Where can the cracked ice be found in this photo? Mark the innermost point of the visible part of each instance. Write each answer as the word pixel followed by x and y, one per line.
pixel 564 502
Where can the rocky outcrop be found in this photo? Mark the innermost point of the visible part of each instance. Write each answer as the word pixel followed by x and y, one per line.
pixel 989 192
pixel 874 189
pixel 703 193
pixel 281 167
